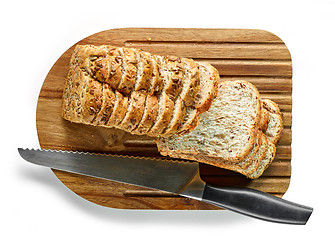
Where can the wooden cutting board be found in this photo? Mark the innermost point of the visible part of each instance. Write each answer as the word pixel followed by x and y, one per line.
pixel 257 56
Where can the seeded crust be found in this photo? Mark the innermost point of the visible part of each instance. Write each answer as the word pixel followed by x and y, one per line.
pixel 156 81
pixel 129 70
pixel 191 76
pixel 72 110
pixel 134 112
pixel 108 102
pixel 114 67
pixel 186 88
pixel 92 100
pixel 119 110
pixel 175 69
pixel 144 71
pixel 149 116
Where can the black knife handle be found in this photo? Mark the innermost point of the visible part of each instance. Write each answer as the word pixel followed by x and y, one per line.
pixel 257 204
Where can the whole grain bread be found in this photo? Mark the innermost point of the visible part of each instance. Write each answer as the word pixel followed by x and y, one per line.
pixel 103 81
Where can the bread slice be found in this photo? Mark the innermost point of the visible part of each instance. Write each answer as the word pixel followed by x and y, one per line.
pixel 114 66
pixel 144 71
pixel 189 74
pixel 119 111
pixel 275 122
pixel 129 70
pixel 192 81
pixel 222 163
pixel 156 81
pixel 209 79
pixel 190 121
pixel 134 112
pixel 164 113
pixel 149 116
pixel 227 130
pixel 108 102
pixel 175 74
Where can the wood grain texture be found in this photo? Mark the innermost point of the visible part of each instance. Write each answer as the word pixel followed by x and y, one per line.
pixel 239 54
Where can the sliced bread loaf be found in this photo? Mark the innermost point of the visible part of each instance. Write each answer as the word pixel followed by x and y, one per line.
pixel 103 81
pixel 227 130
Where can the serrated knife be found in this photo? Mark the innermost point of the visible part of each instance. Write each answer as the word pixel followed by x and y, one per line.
pixel 178 177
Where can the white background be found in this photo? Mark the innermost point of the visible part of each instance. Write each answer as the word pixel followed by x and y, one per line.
pixel 36 205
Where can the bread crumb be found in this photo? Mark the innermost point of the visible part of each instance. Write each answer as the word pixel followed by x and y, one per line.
pixel 148 38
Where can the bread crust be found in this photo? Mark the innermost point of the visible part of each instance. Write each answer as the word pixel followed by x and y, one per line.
pixel 264 120
pixel 156 80
pixel 208 88
pixel 191 121
pixel 174 82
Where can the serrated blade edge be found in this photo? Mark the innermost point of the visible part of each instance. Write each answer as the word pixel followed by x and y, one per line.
pixel 171 176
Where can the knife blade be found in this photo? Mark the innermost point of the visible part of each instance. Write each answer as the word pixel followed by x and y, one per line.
pixel 178 177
